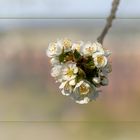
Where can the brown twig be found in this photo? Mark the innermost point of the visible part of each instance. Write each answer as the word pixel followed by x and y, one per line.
pixel 108 25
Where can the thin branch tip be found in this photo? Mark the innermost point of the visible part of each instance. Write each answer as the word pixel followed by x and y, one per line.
pixel 109 21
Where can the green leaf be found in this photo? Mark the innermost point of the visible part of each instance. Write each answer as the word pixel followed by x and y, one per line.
pixel 77 55
pixel 89 66
pixel 61 57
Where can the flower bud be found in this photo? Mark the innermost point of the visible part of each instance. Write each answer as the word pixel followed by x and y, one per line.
pixel 96 80
pixel 104 81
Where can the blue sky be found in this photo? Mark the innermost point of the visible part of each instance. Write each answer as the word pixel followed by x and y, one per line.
pixel 60 8
pixel 67 8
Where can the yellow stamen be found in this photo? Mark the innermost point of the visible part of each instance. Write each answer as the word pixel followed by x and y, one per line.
pixel 53 47
pixel 70 72
pixel 100 59
pixel 90 49
pixel 84 89
pixel 67 43
pixel 77 47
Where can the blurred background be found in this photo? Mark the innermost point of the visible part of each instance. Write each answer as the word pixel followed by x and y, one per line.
pixel 30 101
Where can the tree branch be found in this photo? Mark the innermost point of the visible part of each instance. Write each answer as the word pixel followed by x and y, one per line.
pixel 108 25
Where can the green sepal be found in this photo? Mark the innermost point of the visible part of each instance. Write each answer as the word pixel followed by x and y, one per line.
pixel 81 75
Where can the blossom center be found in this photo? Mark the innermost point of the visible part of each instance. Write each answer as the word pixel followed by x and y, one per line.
pixel 84 89
pixel 100 59
pixel 90 49
pixel 77 47
pixel 67 44
pixel 70 72
pixel 53 47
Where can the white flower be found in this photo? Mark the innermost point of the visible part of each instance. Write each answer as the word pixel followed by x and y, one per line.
pixel 83 87
pixel 56 71
pixel 55 61
pixel 66 88
pixel 89 49
pixel 102 50
pixel 69 71
pixel 99 59
pixel 84 101
pixel 65 43
pixel 84 92
pixel 53 50
pixel 77 46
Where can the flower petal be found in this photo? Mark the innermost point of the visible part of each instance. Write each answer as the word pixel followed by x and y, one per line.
pixel 84 101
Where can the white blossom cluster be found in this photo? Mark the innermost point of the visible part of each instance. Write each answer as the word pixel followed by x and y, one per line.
pixel 81 68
